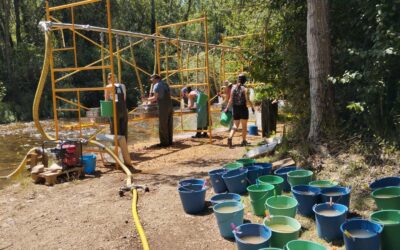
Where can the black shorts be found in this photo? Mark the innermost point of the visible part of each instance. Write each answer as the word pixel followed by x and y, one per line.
pixel 240 112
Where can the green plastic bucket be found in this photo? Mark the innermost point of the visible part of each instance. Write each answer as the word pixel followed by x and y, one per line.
pixel 226 118
pixel 387 198
pixel 274 180
pixel 246 161
pixel 299 177
pixel 233 166
pixel 282 205
pixel 201 99
pixel 322 184
pixel 390 219
pixel 304 245
pixel 280 227
pixel 106 108
pixel 258 194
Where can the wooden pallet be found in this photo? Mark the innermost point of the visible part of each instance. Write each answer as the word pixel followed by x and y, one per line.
pixel 50 178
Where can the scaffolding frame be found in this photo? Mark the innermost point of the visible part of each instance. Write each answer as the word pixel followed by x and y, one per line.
pixel 167 72
pixel 109 55
pixel 53 69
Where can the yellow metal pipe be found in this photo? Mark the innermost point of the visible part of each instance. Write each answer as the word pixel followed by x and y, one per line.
pixel 63 49
pixel 84 89
pixel 74 36
pixel 207 78
pixel 184 70
pixel 81 68
pixel 181 23
pixel 66 6
pixel 110 44
pixel 137 71
pixel 175 86
pixel 70 102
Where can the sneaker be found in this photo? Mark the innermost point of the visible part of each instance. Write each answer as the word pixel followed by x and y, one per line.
pixel 244 143
pixel 230 143
pixel 204 135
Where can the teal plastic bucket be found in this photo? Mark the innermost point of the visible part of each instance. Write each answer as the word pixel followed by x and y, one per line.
pixel 390 220
pixel 106 108
pixel 226 118
pixel 299 177
pixel 284 229
pixel 227 213
pixel 387 198
pixel 89 163
pixel 282 205
pixel 323 184
pixel 233 166
pixel 304 245
pixel 258 194
pixel 246 161
pixel 274 180
pixel 252 236
pixel 193 198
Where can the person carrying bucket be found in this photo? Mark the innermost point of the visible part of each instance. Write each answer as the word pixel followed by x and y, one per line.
pixel 198 99
pixel 239 99
pixel 120 100
pixel 226 95
pixel 162 95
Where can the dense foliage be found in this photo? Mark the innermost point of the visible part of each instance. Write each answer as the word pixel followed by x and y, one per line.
pixel 365 38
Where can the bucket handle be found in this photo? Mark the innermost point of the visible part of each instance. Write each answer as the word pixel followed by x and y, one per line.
pixel 263 196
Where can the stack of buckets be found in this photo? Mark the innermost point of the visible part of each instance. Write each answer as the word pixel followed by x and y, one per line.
pixel 325 200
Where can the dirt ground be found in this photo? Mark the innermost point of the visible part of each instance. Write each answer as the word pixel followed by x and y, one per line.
pixel 89 214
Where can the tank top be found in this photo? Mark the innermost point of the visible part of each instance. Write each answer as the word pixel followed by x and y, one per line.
pixel 239 96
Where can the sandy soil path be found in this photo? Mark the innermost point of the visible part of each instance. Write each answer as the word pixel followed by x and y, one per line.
pixel 89 214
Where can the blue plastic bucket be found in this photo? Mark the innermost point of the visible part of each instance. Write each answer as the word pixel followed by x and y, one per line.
pixel 282 172
pixel 253 173
pixel 385 182
pixel 307 196
pixel 193 198
pixel 361 234
pixel 217 182
pixel 252 236
pixel 339 195
pixel 236 180
pixel 186 182
pixel 227 213
pixel 265 166
pixel 328 219
pixel 219 198
pixel 89 163
pixel 253 130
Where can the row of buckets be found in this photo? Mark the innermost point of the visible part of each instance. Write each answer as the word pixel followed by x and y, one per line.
pixel 323 199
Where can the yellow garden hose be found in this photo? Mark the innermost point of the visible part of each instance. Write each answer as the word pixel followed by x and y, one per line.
pixel 139 227
pixel 20 167
pixel 35 114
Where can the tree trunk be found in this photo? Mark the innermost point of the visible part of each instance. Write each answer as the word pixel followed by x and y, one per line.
pixel 17 22
pixel 153 17
pixel 319 64
pixel 5 6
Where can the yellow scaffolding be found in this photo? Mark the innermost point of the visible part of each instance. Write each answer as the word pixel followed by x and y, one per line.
pixel 166 60
pixel 50 11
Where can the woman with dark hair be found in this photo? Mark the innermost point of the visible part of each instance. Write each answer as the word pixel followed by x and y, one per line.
pixel 201 100
pixel 239 99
